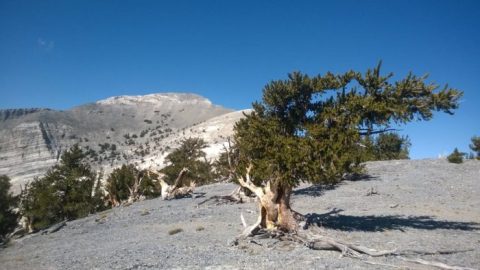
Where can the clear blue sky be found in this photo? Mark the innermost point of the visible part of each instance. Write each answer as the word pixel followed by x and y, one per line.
pixel 60 54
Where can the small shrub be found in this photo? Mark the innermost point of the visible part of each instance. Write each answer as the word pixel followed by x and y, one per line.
pixel 175 231
pixel 200 228
pixel 456 156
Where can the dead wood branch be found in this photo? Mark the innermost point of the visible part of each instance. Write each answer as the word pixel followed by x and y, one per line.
pixel 249 230
pixel 436 264
pixel 328 243
pixel 134 191
pixel 384 264
pixel 438 252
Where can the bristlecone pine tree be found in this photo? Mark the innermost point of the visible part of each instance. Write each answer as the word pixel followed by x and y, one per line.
pixel 66 192
pixel 128 183
pixel 386 146
pixel 309 129
pixel 189 155
pixel 475 146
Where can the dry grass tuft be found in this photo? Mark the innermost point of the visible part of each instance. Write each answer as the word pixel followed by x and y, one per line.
pixel 175 231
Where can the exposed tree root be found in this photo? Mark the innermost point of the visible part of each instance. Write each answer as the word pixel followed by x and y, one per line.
pixel 250 230
pixel 438 252
pixel 276 220
pixel 346 248
pixel 436 264
pixel 322 242
pixel 384 264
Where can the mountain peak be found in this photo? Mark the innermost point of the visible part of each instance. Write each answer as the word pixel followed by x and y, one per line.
pixel 187 98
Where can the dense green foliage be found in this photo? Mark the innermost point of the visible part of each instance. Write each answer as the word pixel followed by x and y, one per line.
pixel 311 128
pixel 386 146
pixel 191 156
pixel 8 218
pixel 456 156
pixel 475 146
pixel 65 192
pixel 122 180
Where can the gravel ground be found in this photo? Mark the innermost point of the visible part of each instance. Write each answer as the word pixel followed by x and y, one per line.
pixel 426 205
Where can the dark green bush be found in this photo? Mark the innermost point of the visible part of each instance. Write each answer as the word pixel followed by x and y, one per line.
pixel 456 156
pixel 8 217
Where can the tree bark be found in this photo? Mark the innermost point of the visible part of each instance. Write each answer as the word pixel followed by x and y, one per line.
pixel 113 200
pixel 134 190
pixel 274 204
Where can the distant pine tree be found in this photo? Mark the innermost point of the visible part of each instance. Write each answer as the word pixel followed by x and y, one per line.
pixel 475 146
pixel 65 192
pixel 189 155
pixel 456 156
pixel 390 146
pixel 128 183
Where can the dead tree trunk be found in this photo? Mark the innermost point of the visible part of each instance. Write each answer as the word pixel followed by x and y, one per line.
pixel 274 204
pixel 113 200
pixel 175 191
pixel 134 190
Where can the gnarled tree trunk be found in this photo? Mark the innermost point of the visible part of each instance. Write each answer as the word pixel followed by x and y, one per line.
pixel 175 191
pixel 274 204
pixel 134 191
pixel 113 200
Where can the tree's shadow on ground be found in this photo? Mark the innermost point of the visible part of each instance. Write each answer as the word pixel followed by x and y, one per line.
pixel 196 195
pixel 360 177
pixel 319 190
pixel 336 221
pixel 314 190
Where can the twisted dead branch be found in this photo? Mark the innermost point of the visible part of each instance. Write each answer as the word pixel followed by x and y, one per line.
pixel 175 191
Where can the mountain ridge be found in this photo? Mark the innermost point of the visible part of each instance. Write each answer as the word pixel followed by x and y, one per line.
pixel 140 129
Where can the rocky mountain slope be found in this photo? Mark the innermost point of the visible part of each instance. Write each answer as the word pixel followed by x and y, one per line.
pixel 422 205
pixel 134 129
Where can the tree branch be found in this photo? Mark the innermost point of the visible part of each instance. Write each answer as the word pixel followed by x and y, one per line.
pixel 181 174
pixel 376 131
pixel 247 182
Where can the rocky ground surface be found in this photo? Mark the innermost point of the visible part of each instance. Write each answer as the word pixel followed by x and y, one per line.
pixel 428 205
